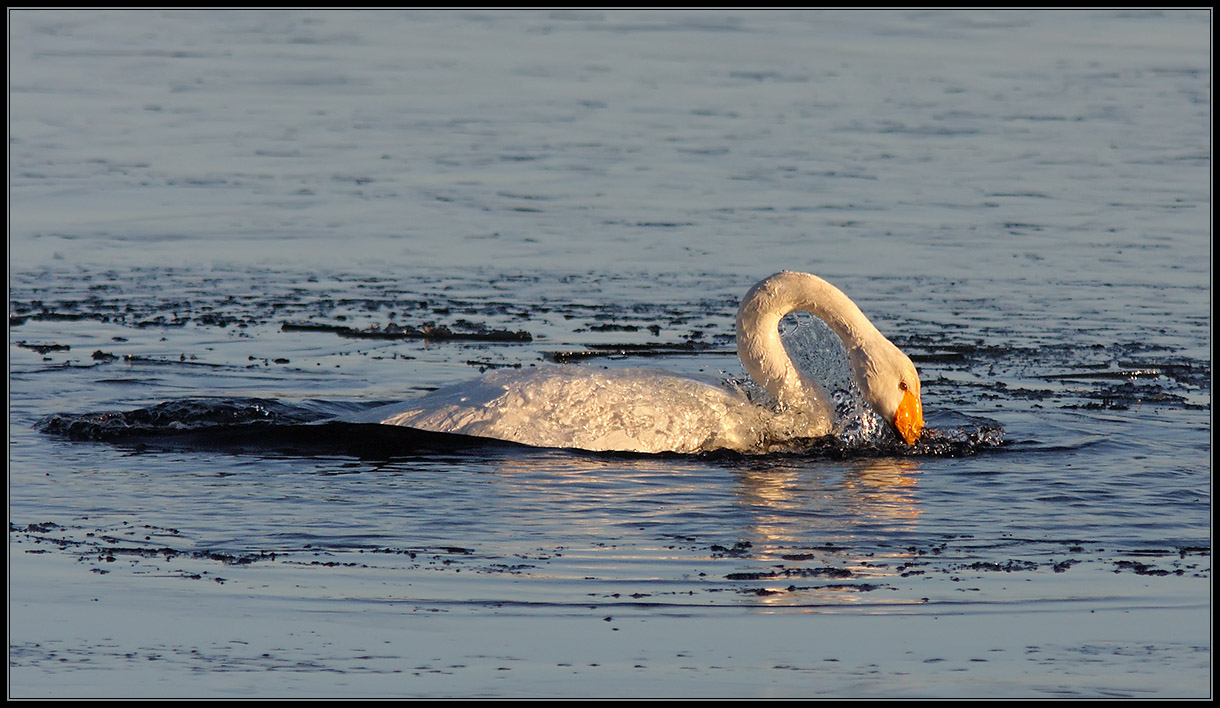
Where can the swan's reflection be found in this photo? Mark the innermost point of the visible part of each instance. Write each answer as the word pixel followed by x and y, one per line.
pixel 875 488
pixel 815 530
pixel 785 532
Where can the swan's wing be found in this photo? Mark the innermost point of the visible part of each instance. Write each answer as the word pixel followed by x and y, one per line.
pixel 635 410
pixel 460 404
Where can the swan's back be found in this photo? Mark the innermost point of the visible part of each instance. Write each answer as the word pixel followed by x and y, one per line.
pixel 636 410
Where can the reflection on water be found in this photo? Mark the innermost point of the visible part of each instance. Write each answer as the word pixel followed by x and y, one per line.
pixel 827 498
pixel 887 487
pixel 785 534
pixel 813 532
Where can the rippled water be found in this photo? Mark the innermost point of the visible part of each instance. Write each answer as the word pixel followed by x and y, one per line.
pixel 304 214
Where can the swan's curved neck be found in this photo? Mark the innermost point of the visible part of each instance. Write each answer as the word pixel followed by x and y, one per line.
pixel 758 342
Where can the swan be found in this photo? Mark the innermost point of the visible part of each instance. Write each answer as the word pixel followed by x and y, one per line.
pixel 642 410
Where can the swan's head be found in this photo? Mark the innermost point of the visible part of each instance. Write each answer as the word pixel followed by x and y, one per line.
pixel 885 375
pixel 891 386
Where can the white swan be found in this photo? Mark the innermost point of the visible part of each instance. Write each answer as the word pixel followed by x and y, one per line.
pixel 641 410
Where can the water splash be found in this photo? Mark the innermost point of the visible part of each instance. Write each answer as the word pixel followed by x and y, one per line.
pixel 183 415
pixel 819 353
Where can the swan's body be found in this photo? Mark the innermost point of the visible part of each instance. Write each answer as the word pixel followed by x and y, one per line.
pixel 638 410
pixel 654 411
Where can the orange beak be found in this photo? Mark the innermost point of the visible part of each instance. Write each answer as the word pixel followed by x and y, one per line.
pixel 908 421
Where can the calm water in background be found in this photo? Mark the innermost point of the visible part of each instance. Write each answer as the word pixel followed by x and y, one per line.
pixel 1020 200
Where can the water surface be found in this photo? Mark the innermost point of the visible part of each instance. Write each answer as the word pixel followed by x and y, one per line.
pixel 325 211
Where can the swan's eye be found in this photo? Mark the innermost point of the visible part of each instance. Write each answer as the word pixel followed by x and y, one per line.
pixel 902 385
